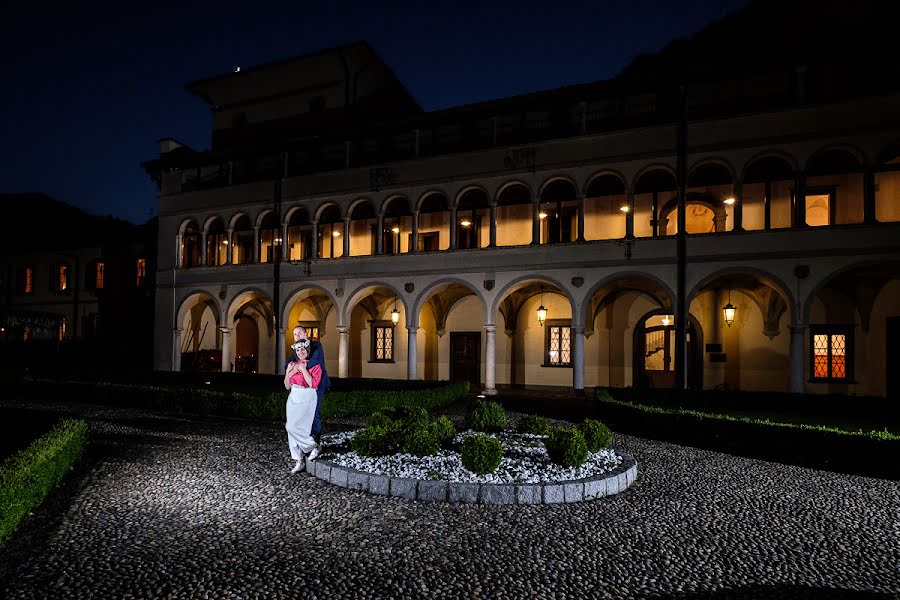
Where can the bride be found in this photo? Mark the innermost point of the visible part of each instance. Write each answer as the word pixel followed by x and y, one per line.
pixel 301 405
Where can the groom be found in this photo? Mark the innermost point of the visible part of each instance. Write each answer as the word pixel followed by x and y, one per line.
pixel 316 357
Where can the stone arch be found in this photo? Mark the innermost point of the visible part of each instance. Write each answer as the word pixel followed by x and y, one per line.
pixel 512 285
pixel 241 297
pixel 512 183
pixel 432 288
pixel 292 297
pixel 647 283
pixel 362 290
pixel 360 202
pixel 390 203
pixel 465 190
pixel 262 215
pixel 182 305
pixel 428 194
pixel 604 173
pixel 210 220
pixel 649 169
pixel 317 214
pixel 712 160
pixel 553 179
pixel 890 269
pixel 295 210
pixel 236 216
pixel 773 297
pixel 187 223
pixel 790 159
pixel 812 163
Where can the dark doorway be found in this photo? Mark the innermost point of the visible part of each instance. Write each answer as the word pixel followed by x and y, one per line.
pixel 465 363
pixel 891 356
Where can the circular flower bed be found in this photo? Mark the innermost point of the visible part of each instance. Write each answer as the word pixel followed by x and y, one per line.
pixel 525 460
pixel 525 474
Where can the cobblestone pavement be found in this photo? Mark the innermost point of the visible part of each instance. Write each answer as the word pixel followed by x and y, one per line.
pixel 171 507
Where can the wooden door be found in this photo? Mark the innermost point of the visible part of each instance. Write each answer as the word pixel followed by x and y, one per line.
pixel 465 358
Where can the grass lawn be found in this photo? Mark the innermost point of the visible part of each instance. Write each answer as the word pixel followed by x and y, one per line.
pixel 844 422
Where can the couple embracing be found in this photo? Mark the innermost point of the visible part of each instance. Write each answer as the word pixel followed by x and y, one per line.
pixel 307 381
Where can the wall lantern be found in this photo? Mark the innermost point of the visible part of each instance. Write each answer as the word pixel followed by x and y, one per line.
pixel 395 314
pixel 542 215
pixel 624 208
pixel 729 310
pixel 465 222
pixel 729 201
pixel 542 312
pixel 395 229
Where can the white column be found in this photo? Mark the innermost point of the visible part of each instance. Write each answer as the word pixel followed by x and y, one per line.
pixel 580 218
pixel 226 349
pixel 179 251
pixel 255 245
pixel 535 222
pixel 203 249
pixel 490 360
pixel 344 352
pixel 229 258
pixel 798 384
pixel 176 350
pixel 379 232
pixel 454 243
pixel 414 243
pixel 280 359
pixel 578 359
pixel 411 353
pixel 346 241
pixel 284 243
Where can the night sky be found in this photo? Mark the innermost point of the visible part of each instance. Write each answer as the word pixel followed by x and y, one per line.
pixel 88 90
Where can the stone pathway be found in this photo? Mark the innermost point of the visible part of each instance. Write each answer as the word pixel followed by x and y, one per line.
pixel 170 507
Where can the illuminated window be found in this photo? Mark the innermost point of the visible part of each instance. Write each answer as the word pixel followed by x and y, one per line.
pixel 382 342
pixel 141 271
pixel 831 354
pixel 819 207
pixel 28 284
pixel 62 279
pixel 62 329
pixel 98 276
pixel 558 343
pixel 312 329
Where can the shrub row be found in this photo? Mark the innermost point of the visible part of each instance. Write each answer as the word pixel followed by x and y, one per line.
pixel 863 453
pixel 403 429
pixel 268 406
pixel 28 476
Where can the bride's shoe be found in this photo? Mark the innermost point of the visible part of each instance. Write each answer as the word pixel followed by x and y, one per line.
pixel 313 454
pixel 299 466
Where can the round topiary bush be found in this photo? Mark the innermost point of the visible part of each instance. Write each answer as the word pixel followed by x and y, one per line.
pixel 481 453
pixel 419 441
pixel 442 430
pixel 375 440
pixel 535 424
pixel 486 416
pixel 596 434
pixel 566 447
pixel 410 416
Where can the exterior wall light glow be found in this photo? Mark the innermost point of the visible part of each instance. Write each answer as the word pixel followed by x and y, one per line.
pixel 541 311
pixel 465 222
pixel 542 215
pixel 395 229
pixel 729 201
pixel 336 233
pixel 624 208
pixel 729 310
pixel 395 314
pixel 666 320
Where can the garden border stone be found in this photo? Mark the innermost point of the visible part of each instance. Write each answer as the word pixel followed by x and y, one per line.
pixel 557 492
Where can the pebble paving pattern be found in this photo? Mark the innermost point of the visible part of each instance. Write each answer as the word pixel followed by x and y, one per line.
pixel 176 507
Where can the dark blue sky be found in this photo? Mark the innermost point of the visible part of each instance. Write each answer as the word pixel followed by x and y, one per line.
pixel 89 89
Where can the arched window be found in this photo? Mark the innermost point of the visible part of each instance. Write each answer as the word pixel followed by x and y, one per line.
pixel 190 246
pixel 299 232
pixel 216 243
pixel 833 193
pixel 768 193
pixel 269 239
pixel 604 218
pixel 514 216
pixel 558 213
pixel 242 241
pixel 331 230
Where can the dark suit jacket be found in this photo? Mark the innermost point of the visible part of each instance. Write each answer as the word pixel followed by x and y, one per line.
pixel 316 357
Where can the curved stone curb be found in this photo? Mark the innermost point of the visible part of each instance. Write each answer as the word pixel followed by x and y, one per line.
pixel 607 484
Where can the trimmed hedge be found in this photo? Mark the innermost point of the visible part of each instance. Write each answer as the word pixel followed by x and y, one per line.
pixel 534 424
pixel 481 453
pixel 269 406
pixel 486 416
pixel 566 447
pixel 596 434
pixel 861 453
pixel 407 429
pixel 28 476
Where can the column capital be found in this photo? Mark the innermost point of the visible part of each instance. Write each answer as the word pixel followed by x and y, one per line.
pixel 797 328
pixel 412 329
pixel 490 328
pixel 177 330
pixel 225 330
pixel 579 330
pixel 342 330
